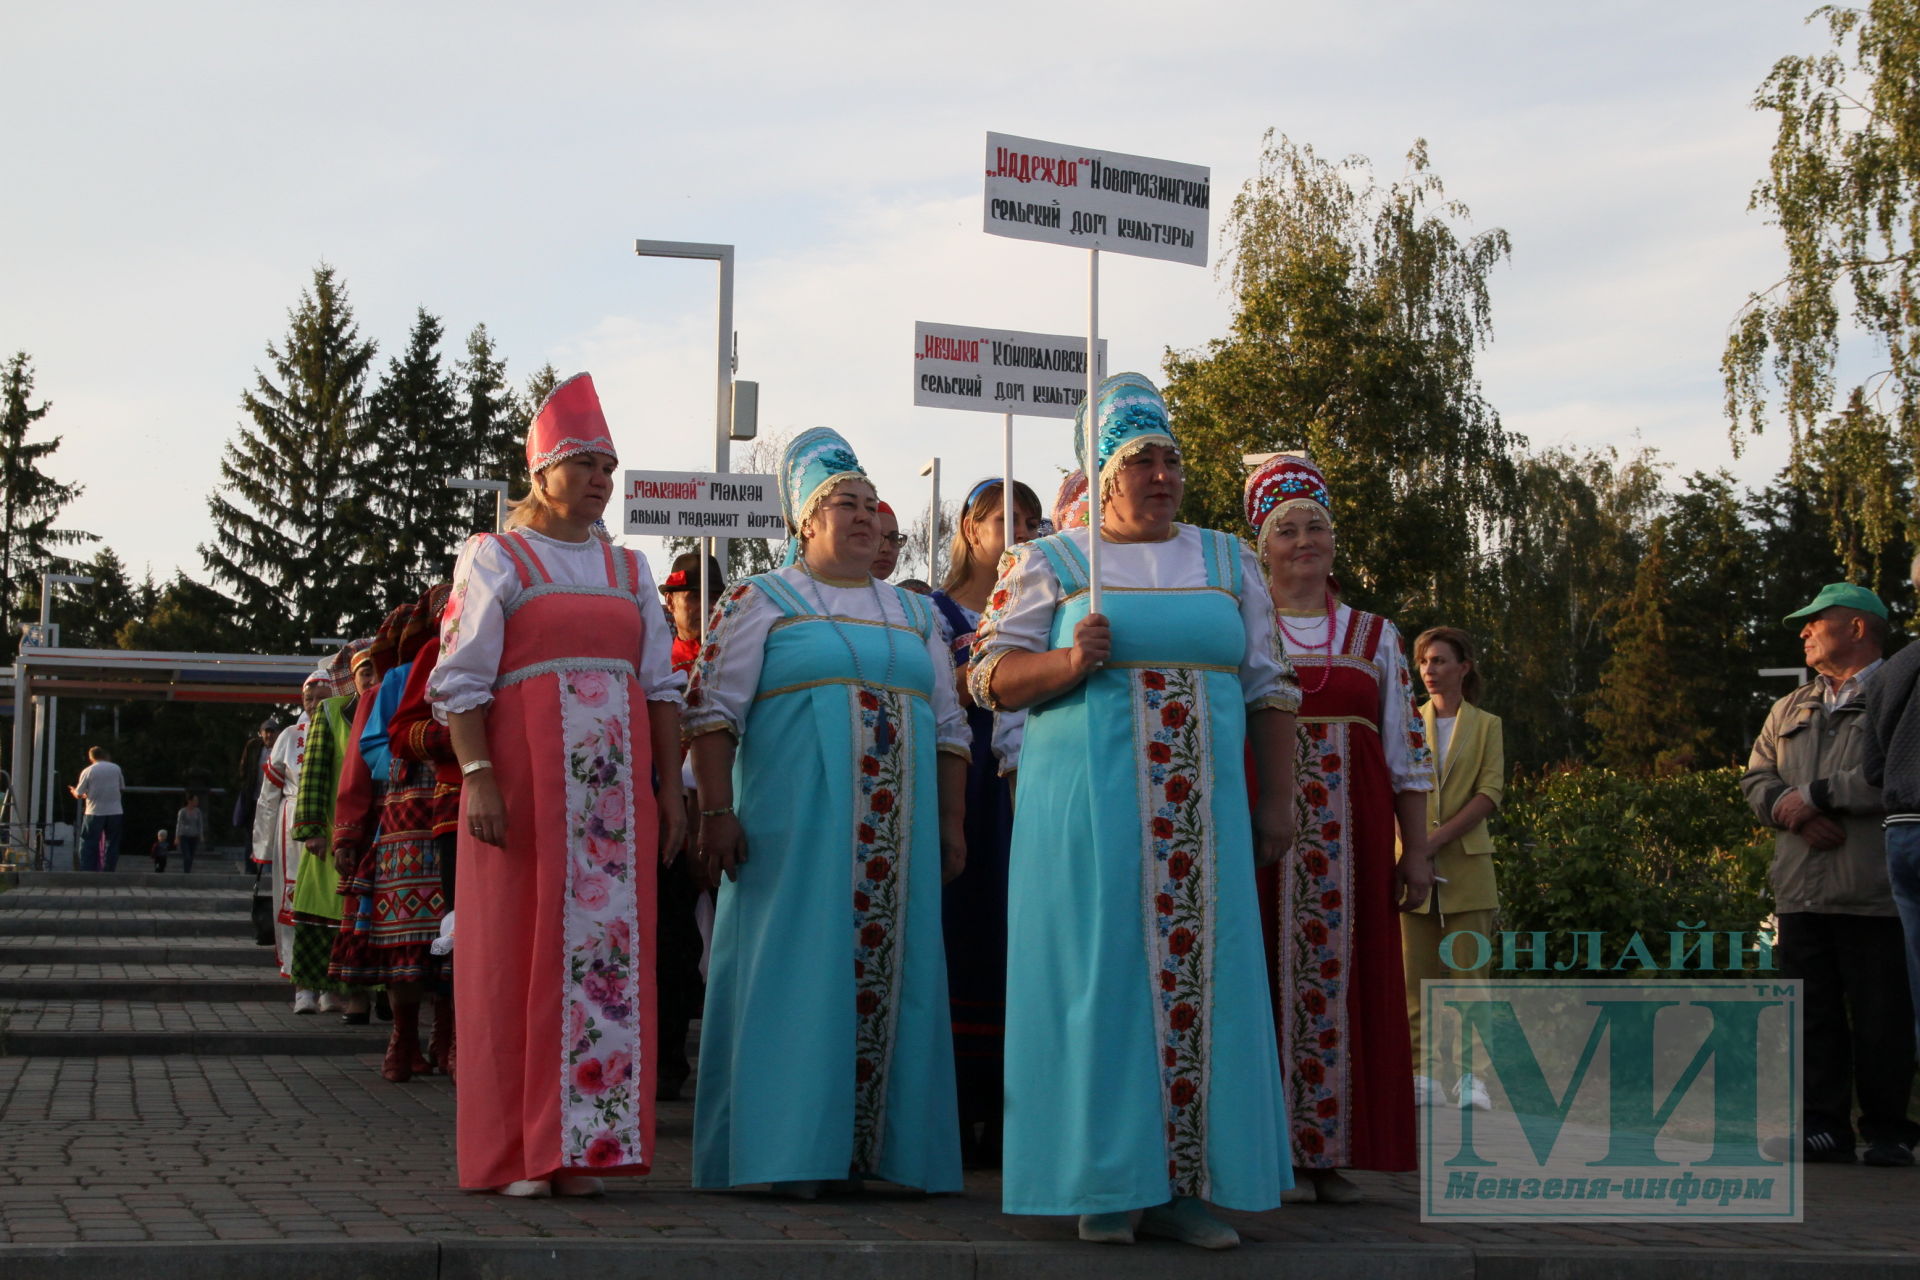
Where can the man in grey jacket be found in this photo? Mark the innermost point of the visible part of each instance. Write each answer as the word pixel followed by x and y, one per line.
pixel 1839 930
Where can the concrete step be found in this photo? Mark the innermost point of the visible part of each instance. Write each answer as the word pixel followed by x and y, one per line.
pixel 129 900
pixel 69 951
pixel 224 878
pixel 89 1027
pixel 170 924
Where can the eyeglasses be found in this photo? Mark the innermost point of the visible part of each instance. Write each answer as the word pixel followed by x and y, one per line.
pixel 894 539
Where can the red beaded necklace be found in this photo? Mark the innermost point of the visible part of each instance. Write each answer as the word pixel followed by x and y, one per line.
pixel 1326 663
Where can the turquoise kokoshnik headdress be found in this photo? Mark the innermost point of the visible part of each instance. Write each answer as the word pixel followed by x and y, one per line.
pixel 1131 416
pixel 816 460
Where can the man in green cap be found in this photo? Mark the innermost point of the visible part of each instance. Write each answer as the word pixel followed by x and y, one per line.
pixel 1839 929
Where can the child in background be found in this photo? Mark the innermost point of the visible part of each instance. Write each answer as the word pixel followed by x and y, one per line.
pixel 162 846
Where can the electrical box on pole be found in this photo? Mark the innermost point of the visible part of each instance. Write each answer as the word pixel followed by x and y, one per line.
pixel 746 410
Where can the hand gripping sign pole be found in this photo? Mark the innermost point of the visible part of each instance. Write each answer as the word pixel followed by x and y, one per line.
pixel 991 370
pixel 1096 200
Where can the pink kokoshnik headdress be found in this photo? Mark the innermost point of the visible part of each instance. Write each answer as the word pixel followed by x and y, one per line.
pixel 569 422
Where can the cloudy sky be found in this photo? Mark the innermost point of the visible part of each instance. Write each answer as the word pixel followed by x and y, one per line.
pixel 175 172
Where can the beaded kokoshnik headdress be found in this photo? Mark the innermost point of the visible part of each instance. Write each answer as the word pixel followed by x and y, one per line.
pixel 1284 482
pixel 1129 414
pixel 815 461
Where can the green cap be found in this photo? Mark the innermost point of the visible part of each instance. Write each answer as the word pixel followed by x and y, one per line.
pixel 1841 593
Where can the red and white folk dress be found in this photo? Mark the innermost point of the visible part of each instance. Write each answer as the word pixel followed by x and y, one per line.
pixel 555 980
pixel 1328 910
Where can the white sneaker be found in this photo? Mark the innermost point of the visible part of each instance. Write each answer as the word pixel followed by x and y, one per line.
pixel 1471 1093
pixel 527 1189
pixel 1428 1092
pixel 331 1003
pixel 304 1001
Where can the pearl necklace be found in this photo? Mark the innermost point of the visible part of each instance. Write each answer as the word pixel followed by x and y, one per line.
pixel 1326 663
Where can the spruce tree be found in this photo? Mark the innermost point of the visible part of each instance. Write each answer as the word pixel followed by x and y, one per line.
pixel 492 427
pixel 419 520
pixel 292 516
pixel 30 500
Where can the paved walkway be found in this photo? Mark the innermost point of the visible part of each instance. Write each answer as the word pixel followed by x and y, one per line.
pixel 303 1162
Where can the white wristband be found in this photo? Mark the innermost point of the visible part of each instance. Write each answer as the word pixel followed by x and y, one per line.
pixel 474 766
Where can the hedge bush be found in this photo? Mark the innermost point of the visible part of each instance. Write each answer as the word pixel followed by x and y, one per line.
pixel 1581 849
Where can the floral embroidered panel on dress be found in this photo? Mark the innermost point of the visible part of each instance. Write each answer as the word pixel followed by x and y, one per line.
pixel 1173 739
pixel 883 828
pixel 1316 952
pixel 600 1107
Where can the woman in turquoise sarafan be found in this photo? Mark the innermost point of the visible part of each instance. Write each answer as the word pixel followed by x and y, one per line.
pixel 1140 1049
pixel 831 758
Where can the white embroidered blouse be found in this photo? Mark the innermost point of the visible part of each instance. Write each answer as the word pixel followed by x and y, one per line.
pixel 1402 733
pixel 473 630
pixel 727 676
pixel 1021 614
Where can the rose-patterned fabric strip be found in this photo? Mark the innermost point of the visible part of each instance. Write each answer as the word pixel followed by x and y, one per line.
pixel 600 1110
pixel 883 825
pixel 1174 769
pixel 1316 951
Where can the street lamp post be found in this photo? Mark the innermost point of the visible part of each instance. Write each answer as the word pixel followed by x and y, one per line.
pixel 499 490
pixel 52 705
pixel 723 384
pixel 933 522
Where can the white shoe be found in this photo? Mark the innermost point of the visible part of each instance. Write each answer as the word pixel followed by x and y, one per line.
pixel 1471 1093
pixel 331 1003
pixel 1185 1218
pixel 305 1001
pixel 1106 1228
pixel 1428 1092
pixel 528 1189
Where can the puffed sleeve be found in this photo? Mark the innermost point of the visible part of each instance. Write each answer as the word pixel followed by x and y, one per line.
pixel 1019 616
pixel 473 629
pixel 1009 731
pixel 1402 733
pixel 727 672
pixel 657 676
pixel 1266 673
pixel 951 731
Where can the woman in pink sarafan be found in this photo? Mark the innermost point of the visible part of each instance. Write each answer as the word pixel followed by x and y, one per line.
pixel 557 684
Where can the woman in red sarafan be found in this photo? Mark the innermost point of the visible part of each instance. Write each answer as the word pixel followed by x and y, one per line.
pixel 1330 911
pixel 557 685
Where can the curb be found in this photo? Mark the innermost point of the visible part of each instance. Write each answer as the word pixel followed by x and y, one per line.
pixel 157 990
pixel 231 881
pixel 127 926
pixel 536 1259
pixel 371 1038
pixel 249 953
pixel 38 898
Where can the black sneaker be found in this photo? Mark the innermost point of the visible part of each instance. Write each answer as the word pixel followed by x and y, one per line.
pixel 1889 1153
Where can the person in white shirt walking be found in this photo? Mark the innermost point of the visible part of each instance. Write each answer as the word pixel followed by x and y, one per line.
pixel 100 785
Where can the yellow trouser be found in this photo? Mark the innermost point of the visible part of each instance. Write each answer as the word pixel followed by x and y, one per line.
pixel 1420 936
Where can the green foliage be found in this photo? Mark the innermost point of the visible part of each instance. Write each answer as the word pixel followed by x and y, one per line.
pixel 1678 688
pixel 30 500
pixel 1844 189
pixel 493 424
pixel 1601 849
pixel 294 512
pixel 1359 311
pixel 1543 607
pixel 420 522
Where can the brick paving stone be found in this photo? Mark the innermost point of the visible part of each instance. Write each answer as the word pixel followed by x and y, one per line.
pixel 320 1148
